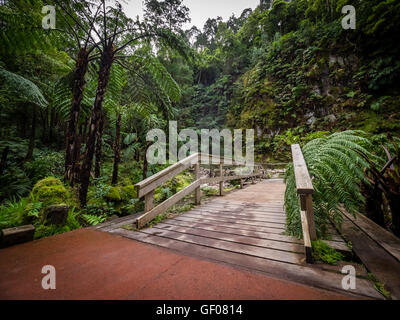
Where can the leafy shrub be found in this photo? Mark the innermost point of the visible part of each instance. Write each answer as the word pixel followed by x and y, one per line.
pixel 94 220
pixel 43 231
pixel 133 206
pixel 12 213
pixel 33 208
pixel 45 164
pixel 14 183
pixel 171 187
pixel 129 192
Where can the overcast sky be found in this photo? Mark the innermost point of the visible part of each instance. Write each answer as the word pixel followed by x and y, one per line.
pixel 200 10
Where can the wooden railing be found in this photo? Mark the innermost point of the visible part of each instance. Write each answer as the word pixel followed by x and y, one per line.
pixel 305 190
pixel 147 187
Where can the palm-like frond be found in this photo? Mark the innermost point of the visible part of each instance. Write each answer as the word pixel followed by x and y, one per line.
pixel 118 80
pixel 151 82
pixel 23 89
pixel 336 165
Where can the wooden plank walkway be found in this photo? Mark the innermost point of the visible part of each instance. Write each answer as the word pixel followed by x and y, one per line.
pixel 246 228
pixel 377 248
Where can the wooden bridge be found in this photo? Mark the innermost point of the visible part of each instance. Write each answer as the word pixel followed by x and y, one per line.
pixel 245 228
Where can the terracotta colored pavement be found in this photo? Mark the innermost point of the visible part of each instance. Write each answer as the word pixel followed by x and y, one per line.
pixel 95 265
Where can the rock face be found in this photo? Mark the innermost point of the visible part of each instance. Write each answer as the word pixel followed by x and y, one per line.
pixel 56 215
pixel 12 236
pixel 331 118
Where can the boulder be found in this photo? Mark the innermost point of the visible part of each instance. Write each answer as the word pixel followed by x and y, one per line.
pixel 56 215
pixel 311 121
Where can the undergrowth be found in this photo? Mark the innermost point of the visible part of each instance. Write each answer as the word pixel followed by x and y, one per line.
pixel 323 252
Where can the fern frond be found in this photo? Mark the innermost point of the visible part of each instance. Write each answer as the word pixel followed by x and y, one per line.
pixel 22 88
pixel 336 164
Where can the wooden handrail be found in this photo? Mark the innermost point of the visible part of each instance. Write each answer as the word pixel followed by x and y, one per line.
pixel 303 181
pixel 147 187
pixel 305 190
pixel 163 176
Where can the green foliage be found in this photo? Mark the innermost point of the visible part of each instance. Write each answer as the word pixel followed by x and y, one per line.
pixel 100 208
pixel 129 193
pixel 171 187
pixel 14 183
pixel 114 194
pixel 379 286
pixel 322 252
pixel 43 231
pixel 336 165
pixel 94 220
pixel 22 88
pixel 160 218
pixel 12 213
pixel 33 208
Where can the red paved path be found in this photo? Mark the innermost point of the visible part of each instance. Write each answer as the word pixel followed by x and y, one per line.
pixel 96 265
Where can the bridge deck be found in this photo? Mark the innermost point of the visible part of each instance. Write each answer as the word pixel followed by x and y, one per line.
pixel 246 229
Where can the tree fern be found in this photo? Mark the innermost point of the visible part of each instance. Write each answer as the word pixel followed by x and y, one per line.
pixel 336 165
pixel 152 83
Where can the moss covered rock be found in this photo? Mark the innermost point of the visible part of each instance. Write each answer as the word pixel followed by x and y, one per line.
pixel 129 192
pixel 50 191
pixel 114 194
pixel 47 182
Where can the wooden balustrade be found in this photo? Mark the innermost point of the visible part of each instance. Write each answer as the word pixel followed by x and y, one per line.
pixel 305 190
pixel 147 187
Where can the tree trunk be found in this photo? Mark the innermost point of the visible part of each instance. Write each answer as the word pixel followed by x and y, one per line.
pixel 29 155
pixel 51 137
pixel 104 77
pixel 72 154
pixel 117 150
pixel 145 162
pixel 99 143
pixel 3 161
pixel 76 166
pixel 44 116
pixel 23 126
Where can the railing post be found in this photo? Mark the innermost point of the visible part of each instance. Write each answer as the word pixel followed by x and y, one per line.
pixel 149 201
pixel 307 206
pixel 221 184
pixel 198 190
pixel 310 217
